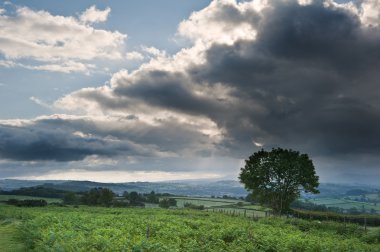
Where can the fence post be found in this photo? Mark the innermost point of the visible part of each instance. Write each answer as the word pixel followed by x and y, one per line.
pixel 365 224
pixel 344 219
pixel 147 231
pixel 245 212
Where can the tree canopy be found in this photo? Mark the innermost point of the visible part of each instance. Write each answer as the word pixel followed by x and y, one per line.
pixel 277 177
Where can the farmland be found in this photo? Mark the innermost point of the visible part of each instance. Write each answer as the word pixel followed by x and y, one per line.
pixel 230 206
pixel 345 204
pixel 206 202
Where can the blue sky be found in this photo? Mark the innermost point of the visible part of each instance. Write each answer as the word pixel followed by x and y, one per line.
pixel 152 90
pixel 146 23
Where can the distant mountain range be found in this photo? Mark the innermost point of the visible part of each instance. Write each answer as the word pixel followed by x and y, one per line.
pixel 191 188
pixel 202 188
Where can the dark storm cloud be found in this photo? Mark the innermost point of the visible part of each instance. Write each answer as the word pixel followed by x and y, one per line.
pixel 314 70
pixel 161 88
pixel 308 81
pixel 167 135
pixel 31 143
pixel 72 139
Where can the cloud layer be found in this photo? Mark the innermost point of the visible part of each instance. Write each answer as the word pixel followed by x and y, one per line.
pixel 297 74
pixel 58 43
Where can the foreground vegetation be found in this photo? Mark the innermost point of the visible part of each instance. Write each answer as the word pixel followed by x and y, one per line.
pixel 136 229
pixel 9 236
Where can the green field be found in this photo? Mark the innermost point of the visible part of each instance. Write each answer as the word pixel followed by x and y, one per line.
pixel 138 229
pixel 206 202
pixel 228 206
pixel 345 204
pixel 246 212
pixel 9 239
pixel 373 196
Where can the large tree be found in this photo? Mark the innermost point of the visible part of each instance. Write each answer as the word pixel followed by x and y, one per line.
pixel 277 177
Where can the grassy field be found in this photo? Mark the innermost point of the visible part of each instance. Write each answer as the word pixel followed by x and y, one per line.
pixel 245 212
pixel 229 206
pixel 206 202
pixel 373 196
pixel 345 204
pixel 136 229
pixel 9 241
pixel 20 197
pixel 230 201
pixel 9 238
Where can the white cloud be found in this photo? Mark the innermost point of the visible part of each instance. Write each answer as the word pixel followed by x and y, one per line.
pixel 305 2
pixel 210 97
pixel 257 144
pixel 2 11
pixel 93 15
pixel 154 51
pixel 7 63
pixel 121 176
pixel 39 102
pixel 211 24
pixel 65 67
pixel 368 11
pixel 134 56
pixel 65 42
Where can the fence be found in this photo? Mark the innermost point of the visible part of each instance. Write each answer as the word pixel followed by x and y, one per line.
pixel 364 220
pixel 237 211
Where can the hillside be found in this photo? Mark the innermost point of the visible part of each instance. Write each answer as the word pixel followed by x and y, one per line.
pixel 191 188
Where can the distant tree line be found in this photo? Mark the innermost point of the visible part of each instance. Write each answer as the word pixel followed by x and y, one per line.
pixel 94 197
pixel 305 205
pixel 314 207
pixel 27 203
pixel 36 191
pixel 225 196
pixel 105 197
pixel 362 219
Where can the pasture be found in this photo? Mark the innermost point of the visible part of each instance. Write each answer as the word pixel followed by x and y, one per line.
pixel 345 204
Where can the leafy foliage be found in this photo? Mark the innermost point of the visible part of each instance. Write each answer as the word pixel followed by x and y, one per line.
pixel 276 177
pixel 192 206
pixel 98 196
pixel 115 229
pixel 37 191
pixel 71 198
pixel 27 202
pixel 167 202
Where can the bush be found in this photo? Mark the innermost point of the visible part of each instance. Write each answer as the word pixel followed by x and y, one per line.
pixel 193 206
pixel 164 203
pixel 27 203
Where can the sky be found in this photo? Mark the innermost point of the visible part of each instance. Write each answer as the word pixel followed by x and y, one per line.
pixel 119 91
